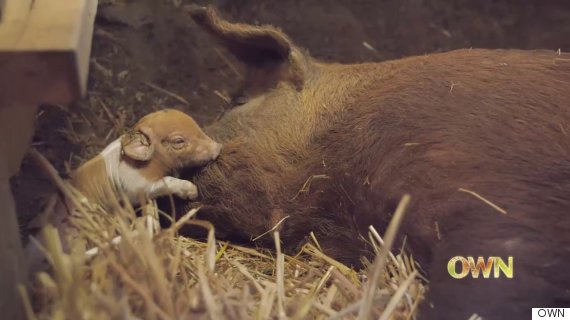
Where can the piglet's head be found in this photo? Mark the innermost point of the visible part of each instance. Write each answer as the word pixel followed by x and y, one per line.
pixel 170 140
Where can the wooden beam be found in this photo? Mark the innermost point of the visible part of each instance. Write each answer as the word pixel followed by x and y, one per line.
pixel 16 129
pixel 12 268
pixel 44 58
pixel 44 50
pixel 15 11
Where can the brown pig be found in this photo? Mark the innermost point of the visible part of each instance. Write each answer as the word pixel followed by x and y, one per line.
pixel 478 138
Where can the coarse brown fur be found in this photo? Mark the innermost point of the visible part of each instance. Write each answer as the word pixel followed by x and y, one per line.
pixel 359 137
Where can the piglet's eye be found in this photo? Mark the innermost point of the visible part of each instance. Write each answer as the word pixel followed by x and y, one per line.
pixel 178 142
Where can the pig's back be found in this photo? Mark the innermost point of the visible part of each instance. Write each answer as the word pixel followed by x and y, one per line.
pixel 443 127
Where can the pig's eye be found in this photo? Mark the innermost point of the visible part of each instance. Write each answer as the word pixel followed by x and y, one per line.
pixel 240 100
pixel 177 142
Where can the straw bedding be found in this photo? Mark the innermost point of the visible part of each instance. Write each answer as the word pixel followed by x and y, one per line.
pixel 121 265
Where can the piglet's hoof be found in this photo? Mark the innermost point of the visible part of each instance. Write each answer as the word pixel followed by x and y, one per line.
pixel 187 190
pixel 182 188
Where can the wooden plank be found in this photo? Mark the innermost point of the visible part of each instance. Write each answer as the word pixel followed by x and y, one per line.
pixel 16 129
pixel 44 24
pixel 85 36
pixel 12 268
pixel 14 18
pixel 44 58
pixel 15 11
pixel 29 78
pixel 44 52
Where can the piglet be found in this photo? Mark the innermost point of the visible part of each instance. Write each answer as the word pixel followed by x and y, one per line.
pixel 142 162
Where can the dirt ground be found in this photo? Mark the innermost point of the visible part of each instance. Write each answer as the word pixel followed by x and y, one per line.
pixel 148 54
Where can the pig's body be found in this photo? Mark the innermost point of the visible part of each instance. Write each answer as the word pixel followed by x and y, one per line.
pixel 493 122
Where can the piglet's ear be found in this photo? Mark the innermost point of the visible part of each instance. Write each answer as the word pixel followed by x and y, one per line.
pixel 137 145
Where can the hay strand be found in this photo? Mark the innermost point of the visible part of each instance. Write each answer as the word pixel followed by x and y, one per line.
pixel 380 261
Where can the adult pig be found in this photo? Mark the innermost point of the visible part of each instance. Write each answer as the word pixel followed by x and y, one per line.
pixel 478 138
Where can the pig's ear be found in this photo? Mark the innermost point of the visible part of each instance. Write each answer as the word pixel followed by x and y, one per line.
pixel 137 144
pixel 254 45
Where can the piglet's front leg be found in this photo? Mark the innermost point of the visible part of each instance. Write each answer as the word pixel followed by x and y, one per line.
pixel 170 185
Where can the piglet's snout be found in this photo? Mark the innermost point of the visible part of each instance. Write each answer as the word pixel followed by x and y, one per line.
pixel 208 150
pixel 215 150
